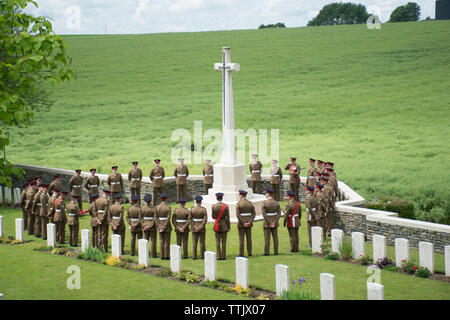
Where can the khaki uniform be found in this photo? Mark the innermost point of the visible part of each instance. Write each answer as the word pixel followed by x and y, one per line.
pixel 36 210
pixel 162 220
pixel 199 218
pixel 23 204
pixel 115 183
pixel 135 177
pixel 28 207
pixel 43 214
pixel 157 177
pixel 255 178
pixel 223 227
pixel 147 218
pixel 73 223
pixel 75 185
pixel 311 177
pixel 116 221
pixel 271 213
pixel 292 218
pixel 51 208
pixel 92 183
pixel 321 168
pixel 332 180
pixel 181 219
pixel 60 220
pixel 55 185
pixel 328 192
pixel 312 211
pixel 103 220
pixel 181 174
pixel 208 174
pixel 276 177
pixel 321 203
pixel 294 178
pixel 133 214
pixel 92 209
pixel 245 213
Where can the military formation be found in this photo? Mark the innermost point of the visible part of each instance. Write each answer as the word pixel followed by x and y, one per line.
pixel 150 219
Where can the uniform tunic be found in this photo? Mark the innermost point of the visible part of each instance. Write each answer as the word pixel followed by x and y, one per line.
pixel 157 177
pixel 28 207
pixel 312 211
pixel 73 223
pixel 276 176
pixel 133 214
pixel 162 220
pixel 115 183
pixel 117 222
pixel 23 202
pixel 75 185
pixel 255 178
pixel 92 183
pixel 311 177
pixel 60 219
pixel 271 213
pixel 103 220
pixel 294 178
pixel 292 218
pixel 43 214
pixel 245 213
pixel 181 174
pixel 135 177
pixel 147 218
pixel 181 219
pixel 199 218
pixel 36 210
pixel 208 174
pixel 92 209
pixel 55 185
pixel 223 227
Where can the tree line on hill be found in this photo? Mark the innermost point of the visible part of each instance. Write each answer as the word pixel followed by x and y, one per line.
pixel 276 25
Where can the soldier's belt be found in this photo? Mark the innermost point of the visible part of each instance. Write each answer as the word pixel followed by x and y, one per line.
pixel 271 213
pixel 275 175
pixel 255 171
pixel 162 218
pixel 181 175
pixel 197 220
pixel 134 179
pixel 157 177
pixel 246 214
pixel 101 211
pixel 115 182
pixel 295 215
pixel 72 214
pixel 134 220
pixel 57 210
pixel 181 220
pixel 76 186
pixel 148 218
pixel 208 175
pixel 311 177
pixel 39 204
pixel 92 186
pixel 114 217
pixel 313 209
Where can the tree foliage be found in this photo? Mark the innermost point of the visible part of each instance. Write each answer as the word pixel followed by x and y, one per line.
pixel 277 25
pixel 408 12
pixel 30 56
pixel 340 13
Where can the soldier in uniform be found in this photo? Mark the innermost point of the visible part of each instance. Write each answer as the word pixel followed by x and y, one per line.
pixel 157 177
pixel 135 177
pixel 117 223
pixel 133 214
pixel 147 219
pixel 245 214
pixel 92 209
pixel 199 218
pixel 56 184
pixel 292 218
pixel 181 173
pixel 312 211
pixel 23 204
pixel 221 215
pixel 162 220
pixel 320 166
pixel 51 205
pixel 35 211
pixel 328 192
pixel 318 178
pixel 31 192
pixel 44 211
pixel 318 194
pixel 73 210
pixel 294 176
pixel 276 176
pixel 92 184
pixel 75 185
pixel 60 218
pixel 208 174
pixel 103 220
pixel 115 183
pixel 332 180
pixel 271 213
pixel 311 178
pixel 255 168
pixel 181 220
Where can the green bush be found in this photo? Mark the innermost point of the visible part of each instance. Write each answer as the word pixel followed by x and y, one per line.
pixel 345 248
pixel 390 268
pixel 404 208
pixel 431 206
pixel 332 256
pixel 408 266
pixel 364 260
pixel 210 284
pixel 297 292
pixel 422 272
pixel 93 254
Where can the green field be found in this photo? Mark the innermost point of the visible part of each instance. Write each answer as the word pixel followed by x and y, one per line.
pixel 375 102
pixel 20 263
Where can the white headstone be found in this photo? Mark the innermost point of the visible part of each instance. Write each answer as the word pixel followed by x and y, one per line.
pixel 116 245
pixel 8 195
pixel 401 251
pixel 447 260
pixel 336 239
pixel 1 226
pixel 426 255
pixel 210 265
pixel 19 229
pixel 85 239
pixel 379 247
pixel 242 271
pixel 358 245
pixel 143 252
pixel 1 296
pixel 282 278
pixel 375 291
pixel 327 287
pixel 16 196
pixel 175 258
pixel 51 235
pixel 316 239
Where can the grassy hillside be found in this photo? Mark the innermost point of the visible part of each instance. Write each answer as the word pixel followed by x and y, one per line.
pixel 375 102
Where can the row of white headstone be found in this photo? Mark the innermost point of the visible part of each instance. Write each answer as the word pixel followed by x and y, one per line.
pixel 426 249
pixel 8 195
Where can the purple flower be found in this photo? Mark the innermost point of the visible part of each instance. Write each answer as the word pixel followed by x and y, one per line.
pixel 293 282
pixel 303 279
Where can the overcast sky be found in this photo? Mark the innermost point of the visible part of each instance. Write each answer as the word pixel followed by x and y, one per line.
pixel 153 16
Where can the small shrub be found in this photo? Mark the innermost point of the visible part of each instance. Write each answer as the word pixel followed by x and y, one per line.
pixel 43 248
pixel 391 268
pixel 241 290
pixel 422 272
pixel 262 297
pixel 326 249
pixel 345 248
pixel 188 276
pixel 297 292
pixel 164 273
pixel 60 251
pixel 94 254
pixel 228 289
pixel 210 284
pixel 408 266
pixel 69 254
pixel 383 262
pixel 403 207
pixel 332 256
pixel 364 259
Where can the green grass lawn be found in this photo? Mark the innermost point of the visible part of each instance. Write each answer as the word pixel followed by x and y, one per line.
pixel 375 102
pixel 36 270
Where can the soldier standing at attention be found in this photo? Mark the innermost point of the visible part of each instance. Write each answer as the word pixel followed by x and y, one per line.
pixel 92 184
pixel 147 219
pixel 181 220
pixel 162 220
pixel 328 192
pixel 271 213
pixel 135 177
pixel 92 209
pixel 181 173
pixel 51 205
pixel 311 206
pixel 294 176
pixel 320 166
pixel 221 215
pixel 292 218
pixel 276 176
pixel 255 170
pixel 133 214
pixel 157 177
pixel 245 213
pixel 75 185
pixel 23 204
pixel 318 178
pixel 208 174
pixel 117 223
pixel 44 211
pixel 56 184
pixel 103 220
pixel 60 218
pixel 115 183
pixel 333 181
pixel 318 194
pixel 73 210
pixel 199 219
pixel 31 192
pixel 311 178
pixel 35 211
